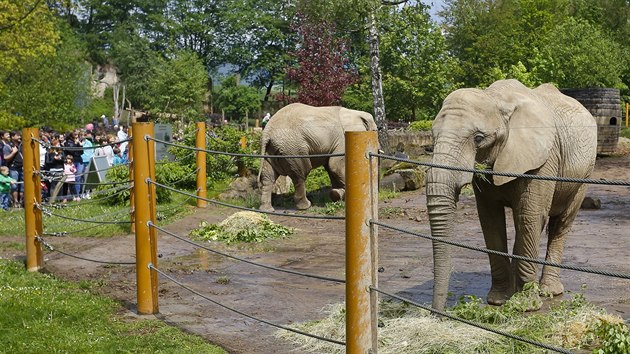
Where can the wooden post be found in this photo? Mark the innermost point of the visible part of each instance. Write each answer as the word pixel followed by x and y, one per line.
pixel 200 143
pixel 361 242
pixel 627 105
pixel 242 170
pixel 32 197
pixel 132 214
pixel 146 241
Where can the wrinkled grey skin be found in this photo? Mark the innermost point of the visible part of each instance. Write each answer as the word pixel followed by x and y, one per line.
pixel 300 129
pixel 510 128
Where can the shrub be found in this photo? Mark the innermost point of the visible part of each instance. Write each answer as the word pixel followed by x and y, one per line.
pixel 421 125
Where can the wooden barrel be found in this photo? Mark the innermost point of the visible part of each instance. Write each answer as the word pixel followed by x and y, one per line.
pixel 605 105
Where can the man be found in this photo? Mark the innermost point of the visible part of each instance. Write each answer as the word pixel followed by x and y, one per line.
pixel 88 152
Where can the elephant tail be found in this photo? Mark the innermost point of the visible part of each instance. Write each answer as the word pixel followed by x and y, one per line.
pixel 263 152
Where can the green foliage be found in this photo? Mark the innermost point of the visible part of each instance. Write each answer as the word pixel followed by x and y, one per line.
pixel 41 314
pixel 218 166
pixel 167 173
pixel 333 208
pixel 241 227
pixel 236 99
pixel 417 71
pixel 52 88
pixel 593 59
pixel 615 337
pixel 421 125
pixel 317 179
pixel 625 132
pixel 178 85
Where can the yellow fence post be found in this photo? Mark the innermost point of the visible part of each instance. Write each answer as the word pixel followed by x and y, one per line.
pixel 200 143
pixel 144 208
pixel 32 197
pixel 132 214
pixel 361 242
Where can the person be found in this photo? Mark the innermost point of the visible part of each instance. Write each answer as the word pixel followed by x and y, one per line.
pixel 266 119
pixel 105 121
pixel 7 150
pixel 54 165
pixel 119 157
pixel 88 152
pixel 75 144
pixel 16 169
pixel 122 137
pixel 69 171
pixel 5 187
pixel 109 149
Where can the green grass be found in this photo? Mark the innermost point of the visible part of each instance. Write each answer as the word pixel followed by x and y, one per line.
pixel 625 132
pixel 65 217
pixel 41 314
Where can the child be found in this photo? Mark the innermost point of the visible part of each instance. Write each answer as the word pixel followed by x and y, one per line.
pixel 5 187
pixel 69 171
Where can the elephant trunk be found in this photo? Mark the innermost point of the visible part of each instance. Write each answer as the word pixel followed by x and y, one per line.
pixel 443 187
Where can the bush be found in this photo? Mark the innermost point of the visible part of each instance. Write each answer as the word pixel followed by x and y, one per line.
pixel 421 125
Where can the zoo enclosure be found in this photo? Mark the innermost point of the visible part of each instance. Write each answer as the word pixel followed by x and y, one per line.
pixel 361 229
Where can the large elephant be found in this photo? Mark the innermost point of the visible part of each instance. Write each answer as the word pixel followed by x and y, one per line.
pixel 300 129
pixel 510 128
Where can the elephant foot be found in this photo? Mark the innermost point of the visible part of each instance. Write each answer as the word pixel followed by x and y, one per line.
pixel 551 287
pixel 268 208
pixel 498 297
pixel 303 204
pixel 337 194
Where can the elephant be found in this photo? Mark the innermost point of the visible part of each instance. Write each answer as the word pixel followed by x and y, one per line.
pixel 300 129
pixel 510 128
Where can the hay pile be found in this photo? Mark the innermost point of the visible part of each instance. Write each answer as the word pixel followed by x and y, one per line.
pixel 243 226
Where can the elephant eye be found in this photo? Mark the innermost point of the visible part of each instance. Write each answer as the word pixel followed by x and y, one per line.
pixel 479 138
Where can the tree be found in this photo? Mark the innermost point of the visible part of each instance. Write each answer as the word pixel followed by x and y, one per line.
pixel 578 54
pixel 322 64
pixel 177 85
pixel 49 89
pixel 237 99
pixel 418 72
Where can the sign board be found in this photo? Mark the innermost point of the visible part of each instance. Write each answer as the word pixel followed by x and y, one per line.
pixel 163 132
pixel 96 171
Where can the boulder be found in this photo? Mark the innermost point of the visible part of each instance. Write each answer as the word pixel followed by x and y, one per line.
pixel 404 180
pixel 591 203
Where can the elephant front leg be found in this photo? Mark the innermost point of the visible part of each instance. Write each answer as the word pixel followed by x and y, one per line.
pixel 492 218
pixel 267 179
pixel 301 202
pixel 559 227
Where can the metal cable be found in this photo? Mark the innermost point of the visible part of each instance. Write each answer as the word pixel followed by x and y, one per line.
pixel 78 148
pixel 247 209
pixel 245 260
pixel 507 174
pixel 498 253
pixel 50 213
pixel 245 155
pixel 66 233
pixel 455 318
pixel 52 249
pixel 242 313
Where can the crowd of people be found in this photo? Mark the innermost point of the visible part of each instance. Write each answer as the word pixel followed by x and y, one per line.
pixel 64 161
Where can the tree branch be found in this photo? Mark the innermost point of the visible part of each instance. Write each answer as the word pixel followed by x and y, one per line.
pixel 23 17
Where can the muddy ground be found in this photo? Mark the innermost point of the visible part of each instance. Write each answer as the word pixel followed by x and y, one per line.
pixel 600 239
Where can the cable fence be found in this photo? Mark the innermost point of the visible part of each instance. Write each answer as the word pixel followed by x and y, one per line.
pixel 361 223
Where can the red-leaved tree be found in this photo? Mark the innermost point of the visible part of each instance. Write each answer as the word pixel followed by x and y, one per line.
pixel 323 69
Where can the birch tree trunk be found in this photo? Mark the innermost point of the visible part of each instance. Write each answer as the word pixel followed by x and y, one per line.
pixel 377 86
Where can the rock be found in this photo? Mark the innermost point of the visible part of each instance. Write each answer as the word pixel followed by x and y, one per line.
pixel 394 182
pixel 414 178
pixel 591 203
pixel 241 188
pixel 282 185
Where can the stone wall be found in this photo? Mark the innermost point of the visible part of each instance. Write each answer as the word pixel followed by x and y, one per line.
pixel 412 143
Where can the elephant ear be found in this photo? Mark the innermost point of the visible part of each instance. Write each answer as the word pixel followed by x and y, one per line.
pixel 530 135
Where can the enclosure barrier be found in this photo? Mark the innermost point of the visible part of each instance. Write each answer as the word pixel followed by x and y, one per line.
pixel 361 242
pixel 361 229
pixel 200 143
pixel 146 240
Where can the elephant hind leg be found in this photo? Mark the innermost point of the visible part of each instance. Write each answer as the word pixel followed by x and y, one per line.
pixel 301 201
pixel 336 171
pixel 267 179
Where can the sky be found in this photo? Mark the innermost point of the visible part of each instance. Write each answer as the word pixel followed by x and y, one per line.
pixel 436 5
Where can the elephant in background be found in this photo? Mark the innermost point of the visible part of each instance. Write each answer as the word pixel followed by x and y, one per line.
pixel 510 128
pixel 299 129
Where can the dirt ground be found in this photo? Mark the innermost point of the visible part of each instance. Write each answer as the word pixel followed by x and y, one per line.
pixel 600 239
